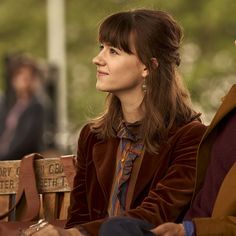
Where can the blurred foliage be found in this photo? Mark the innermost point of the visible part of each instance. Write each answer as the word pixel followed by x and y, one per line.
pixel 208 52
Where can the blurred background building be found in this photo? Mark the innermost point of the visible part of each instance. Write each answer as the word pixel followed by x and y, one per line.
pixel 63 36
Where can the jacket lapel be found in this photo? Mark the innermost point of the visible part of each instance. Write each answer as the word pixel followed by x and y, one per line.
pixel 229 103
pixel 150 164
pixel 225 203
pixel 104 158
pixel 204 152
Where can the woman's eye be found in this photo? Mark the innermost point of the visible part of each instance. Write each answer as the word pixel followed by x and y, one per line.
pixel 113 51
pixel 101 47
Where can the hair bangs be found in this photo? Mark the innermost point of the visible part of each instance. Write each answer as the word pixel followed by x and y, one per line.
pixel 116 30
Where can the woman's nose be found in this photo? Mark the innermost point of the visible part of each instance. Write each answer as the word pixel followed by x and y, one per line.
pixel 98 60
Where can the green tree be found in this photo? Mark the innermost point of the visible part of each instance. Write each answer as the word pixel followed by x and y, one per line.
pixel 208 54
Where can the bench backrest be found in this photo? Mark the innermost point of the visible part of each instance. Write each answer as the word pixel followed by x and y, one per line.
pixel 52 185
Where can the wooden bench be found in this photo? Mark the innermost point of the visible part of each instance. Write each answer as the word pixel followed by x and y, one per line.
pixel 52 185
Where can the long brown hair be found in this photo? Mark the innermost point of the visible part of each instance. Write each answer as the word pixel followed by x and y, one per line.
pixel 167 103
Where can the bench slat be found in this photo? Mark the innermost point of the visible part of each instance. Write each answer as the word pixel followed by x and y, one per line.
pixel 64 206
pixel 50 204
pixel 4 205
pixel 49 174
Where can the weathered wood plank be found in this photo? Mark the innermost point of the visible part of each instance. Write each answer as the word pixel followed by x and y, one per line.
pixel 65 203
pixel 50 206
pixel 41 210
pixel 4 205
pixel 49 174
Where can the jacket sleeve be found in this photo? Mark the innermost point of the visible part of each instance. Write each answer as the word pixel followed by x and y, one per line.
pixel 225 225
pixel 78 212
pixel 170 196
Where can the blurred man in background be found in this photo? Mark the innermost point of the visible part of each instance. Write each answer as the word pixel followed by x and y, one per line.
pixel 21 123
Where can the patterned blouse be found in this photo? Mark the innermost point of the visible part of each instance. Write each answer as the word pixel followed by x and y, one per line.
pixel 130 149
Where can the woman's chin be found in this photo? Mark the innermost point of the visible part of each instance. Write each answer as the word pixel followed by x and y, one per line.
pixel 101 88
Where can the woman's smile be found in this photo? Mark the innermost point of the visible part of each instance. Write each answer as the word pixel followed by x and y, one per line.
pixel 101 73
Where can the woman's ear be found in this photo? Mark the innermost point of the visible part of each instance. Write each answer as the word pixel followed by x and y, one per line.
pixel 145 72
pixel 154 66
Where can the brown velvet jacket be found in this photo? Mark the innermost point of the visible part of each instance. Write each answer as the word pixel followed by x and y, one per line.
pixel 223 220
pixel 164 184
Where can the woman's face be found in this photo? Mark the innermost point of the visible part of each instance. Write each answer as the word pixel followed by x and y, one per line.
pixel 117 71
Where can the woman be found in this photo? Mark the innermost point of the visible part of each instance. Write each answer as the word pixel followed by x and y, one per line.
pixel 138 158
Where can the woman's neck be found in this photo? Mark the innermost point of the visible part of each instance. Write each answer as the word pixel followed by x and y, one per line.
pixel 132 111
pixel 132 104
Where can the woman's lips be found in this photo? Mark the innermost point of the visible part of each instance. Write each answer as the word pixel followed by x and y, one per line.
pixel 101 73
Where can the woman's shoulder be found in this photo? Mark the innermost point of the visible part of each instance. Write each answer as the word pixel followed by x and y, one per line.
pixel 87 132
pixel 88 137
pixel 194 123
pixel 194 128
